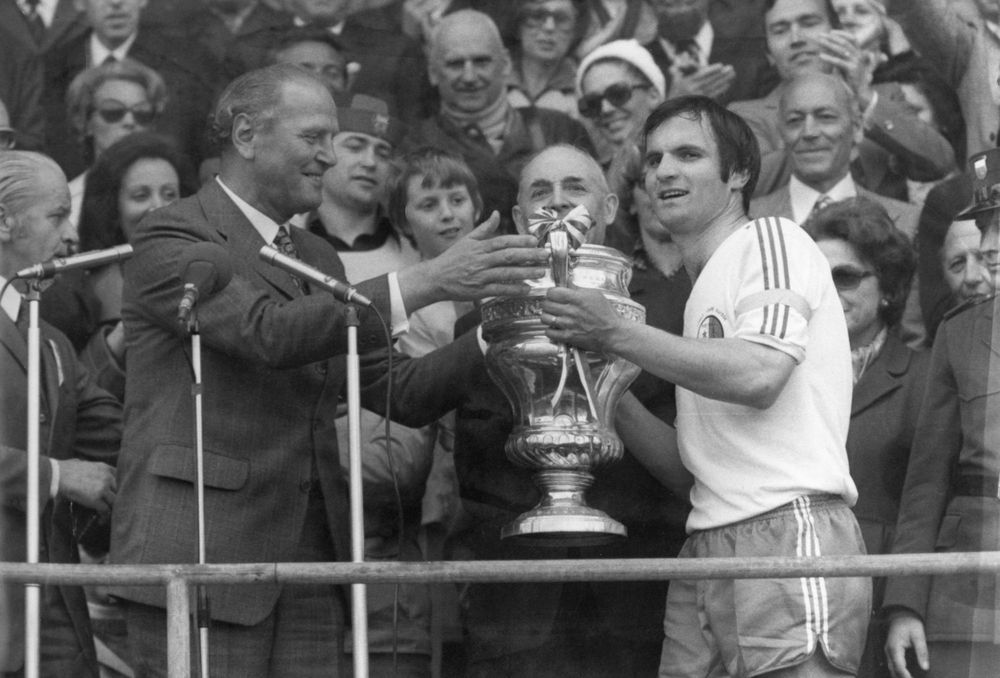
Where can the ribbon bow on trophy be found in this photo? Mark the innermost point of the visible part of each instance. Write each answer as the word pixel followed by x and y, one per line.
pixel 564 234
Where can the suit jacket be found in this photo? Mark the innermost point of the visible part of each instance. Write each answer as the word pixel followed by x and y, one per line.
pixel 779 204
pixel 67 24
pixel 273 369
pixel 884 412
pixel 746 54
pixel 78 421
pixel 957 434
pixel 189 71
pixel 890 130
pixel 963 49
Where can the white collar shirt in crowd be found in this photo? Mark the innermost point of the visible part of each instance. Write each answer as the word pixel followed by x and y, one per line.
pixel 803 198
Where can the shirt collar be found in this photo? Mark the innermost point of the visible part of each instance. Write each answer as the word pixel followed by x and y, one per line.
pixel 46 10
pixel 335 29
pixel 98 52
pixel 263 224
pixel 11 301
pixel 803 197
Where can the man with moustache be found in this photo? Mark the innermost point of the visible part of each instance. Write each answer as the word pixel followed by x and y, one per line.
pixel 272 357
pixel 764 344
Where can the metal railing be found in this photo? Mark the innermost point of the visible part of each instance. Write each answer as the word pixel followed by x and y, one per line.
pixel 180 580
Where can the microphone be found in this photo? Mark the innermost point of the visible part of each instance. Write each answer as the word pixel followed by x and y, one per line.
pixel 86 260
pixel 205 268
pixel 341 291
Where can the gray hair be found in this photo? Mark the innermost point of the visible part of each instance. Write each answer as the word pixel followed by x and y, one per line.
pixel 19 172
pixel 254 94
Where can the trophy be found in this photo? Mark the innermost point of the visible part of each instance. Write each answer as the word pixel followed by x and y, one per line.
pixel 564 398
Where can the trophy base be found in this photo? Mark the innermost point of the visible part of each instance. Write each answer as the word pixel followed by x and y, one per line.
pixel 562 527
pixel 562 517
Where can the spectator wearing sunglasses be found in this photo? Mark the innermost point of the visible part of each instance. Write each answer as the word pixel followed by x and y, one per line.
pixel 821 126
pixel 618 84
pixel 107 103
pixel 542 65
pixel 872 263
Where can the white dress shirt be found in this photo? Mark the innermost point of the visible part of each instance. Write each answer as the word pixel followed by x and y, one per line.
pixel 803 198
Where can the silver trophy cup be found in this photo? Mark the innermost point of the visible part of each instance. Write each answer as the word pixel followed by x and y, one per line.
pixel 563 398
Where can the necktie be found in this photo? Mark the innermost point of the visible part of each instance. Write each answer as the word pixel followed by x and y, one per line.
pixel 35 24
pixel 22 321
pixel 109 59
pixel 283 241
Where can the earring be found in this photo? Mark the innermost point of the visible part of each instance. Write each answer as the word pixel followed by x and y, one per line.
pixel 883 302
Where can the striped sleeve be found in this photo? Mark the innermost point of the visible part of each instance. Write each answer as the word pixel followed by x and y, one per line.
pixel 771 307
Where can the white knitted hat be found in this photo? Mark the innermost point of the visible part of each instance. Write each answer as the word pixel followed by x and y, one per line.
pixel 632 53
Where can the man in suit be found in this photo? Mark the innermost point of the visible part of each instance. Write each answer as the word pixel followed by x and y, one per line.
pixel 80 427
pixel 949 502
pixel 820 125
pixel 695 59
pixel 56 23
pixel 803 36
pixel 272 356
pixel 469 66
pixel 21 87
pixel 114 31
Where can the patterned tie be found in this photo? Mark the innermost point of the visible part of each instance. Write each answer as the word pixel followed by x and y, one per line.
pixel 35 24
pixel 283 241
pixel 22 320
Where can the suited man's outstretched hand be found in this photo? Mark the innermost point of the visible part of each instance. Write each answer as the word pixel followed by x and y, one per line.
pixel 479 265
pixel 90 483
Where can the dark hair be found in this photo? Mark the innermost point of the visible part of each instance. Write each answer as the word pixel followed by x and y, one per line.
pixel 100 220
pixel 438 168
pixel 738 148
pixel 867 227
pixel 294 35
pixel 909 69
pixel 831 13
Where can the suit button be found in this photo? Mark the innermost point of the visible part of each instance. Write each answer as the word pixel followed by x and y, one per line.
pixel 42 418
pixel 304 486
pixel 321 368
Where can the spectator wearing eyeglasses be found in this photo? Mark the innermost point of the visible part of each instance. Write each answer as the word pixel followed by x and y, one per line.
pixel 542 66
pixel 872 263
pixel 115 31
pixel 107 103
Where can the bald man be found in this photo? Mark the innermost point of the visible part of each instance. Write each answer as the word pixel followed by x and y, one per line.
pixel 469 65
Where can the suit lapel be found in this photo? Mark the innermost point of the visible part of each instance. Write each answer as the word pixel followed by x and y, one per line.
pixel 13 342
pixel 882 377
pixel 242 238
pixel 66 20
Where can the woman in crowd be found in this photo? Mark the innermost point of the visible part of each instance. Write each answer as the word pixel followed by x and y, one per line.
pixel 139 173
pixel 542 67
pixel 108 102
pixel 872 264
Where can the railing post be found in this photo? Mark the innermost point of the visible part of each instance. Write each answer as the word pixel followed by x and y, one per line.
pixel 178 629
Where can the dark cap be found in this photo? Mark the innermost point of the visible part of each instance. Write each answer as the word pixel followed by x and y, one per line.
pixel 985 171
pixel 368 115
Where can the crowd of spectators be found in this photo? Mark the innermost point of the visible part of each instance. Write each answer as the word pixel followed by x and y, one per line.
pixel 865 113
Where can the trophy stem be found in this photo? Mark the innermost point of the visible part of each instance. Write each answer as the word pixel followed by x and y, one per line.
pixel 562 517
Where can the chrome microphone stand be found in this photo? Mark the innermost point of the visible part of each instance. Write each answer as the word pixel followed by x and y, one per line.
pixel 32 590
pixel 359 605
pixel 202 614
